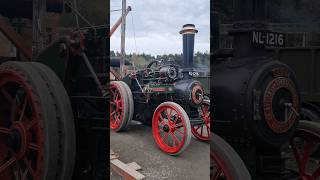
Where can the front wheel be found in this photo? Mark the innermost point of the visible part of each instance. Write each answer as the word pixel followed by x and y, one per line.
pixel 225 163
pixel 171 128
pixel 202 131
pixel 304 143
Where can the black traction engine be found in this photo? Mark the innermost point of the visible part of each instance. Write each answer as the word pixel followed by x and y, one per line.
pixel 257 99
pixel 167 96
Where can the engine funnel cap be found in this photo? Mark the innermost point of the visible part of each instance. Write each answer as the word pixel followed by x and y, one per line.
pixel 189 29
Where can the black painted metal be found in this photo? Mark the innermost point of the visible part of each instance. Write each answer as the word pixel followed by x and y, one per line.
pixel 55 6
pixel 188 46
pixel 250 15
pixel 239 85
pixel 166 81
pixel 215 31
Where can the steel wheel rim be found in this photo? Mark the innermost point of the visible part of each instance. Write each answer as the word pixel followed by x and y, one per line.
pixel 21 130
pixel 116 107
pixel 202 131
pixel 217 164
pixel 302 158
pixel 161 124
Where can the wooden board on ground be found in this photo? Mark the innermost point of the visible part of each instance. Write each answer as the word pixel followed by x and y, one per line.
pixel 127 171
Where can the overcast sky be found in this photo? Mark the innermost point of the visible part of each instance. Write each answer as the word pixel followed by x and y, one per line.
pixel 153 25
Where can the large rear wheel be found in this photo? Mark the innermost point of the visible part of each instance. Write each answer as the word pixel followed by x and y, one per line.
pixel 64 117
pixel 225 163
pixel 29 139
pixel 120 106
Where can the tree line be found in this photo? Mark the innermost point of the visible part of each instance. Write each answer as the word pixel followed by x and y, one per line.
pixel 201 59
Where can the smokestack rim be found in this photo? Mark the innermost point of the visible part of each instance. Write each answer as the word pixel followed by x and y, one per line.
pixel 188 29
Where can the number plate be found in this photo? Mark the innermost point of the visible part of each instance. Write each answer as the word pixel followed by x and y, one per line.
pixel 268 38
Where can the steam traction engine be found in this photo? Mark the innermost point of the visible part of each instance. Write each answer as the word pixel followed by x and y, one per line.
pixel 165 95
pixel 257 106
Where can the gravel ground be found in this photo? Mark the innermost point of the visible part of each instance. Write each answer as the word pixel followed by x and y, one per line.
pixel 137 145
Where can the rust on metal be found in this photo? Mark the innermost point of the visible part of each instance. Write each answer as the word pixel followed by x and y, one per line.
pixel 15 38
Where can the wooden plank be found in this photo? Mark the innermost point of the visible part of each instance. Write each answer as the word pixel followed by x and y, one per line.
pixel 113 155
pixel 15 38
pixel 134 166
pixel 126 171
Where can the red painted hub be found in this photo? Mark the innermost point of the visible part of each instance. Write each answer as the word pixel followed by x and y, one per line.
pixel 169 128
pixel 21 131
pixel 202 131
pixel 303 144
pixel 116 106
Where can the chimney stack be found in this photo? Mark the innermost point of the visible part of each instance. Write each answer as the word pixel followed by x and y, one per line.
pixel 188 33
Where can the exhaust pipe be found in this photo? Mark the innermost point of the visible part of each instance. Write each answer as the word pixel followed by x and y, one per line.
pixel 188 33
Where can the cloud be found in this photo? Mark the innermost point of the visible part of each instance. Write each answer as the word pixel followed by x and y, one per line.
pixel 153 26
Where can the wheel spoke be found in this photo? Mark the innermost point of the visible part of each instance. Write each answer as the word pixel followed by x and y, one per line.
pixel 175 139
pixel 7 164
pixel 203 111
pixel 197 128
pixel 179 125
pixel 24 105
pixel 28 165
pixel 33 146
pixel 217 173
pixel 168 115
pixel 24 175
pixel 165 138
pixel 306 154
pixel 117 119
pixel 112 113
pixel 14 110
pixel 7 95
pixel 161 118
pixel 4 130
pixel 179 132
pixel 162 123
pixel 161 130
pixel 207 125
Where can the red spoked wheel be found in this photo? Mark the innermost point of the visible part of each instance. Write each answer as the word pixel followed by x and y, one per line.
pixel 225 163
pixel 202 131
pixel 303 144
pixel 28 131
pixel 171 128
pixel 121 102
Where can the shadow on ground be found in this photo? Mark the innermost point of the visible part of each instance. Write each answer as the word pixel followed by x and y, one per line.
pixel 137 145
